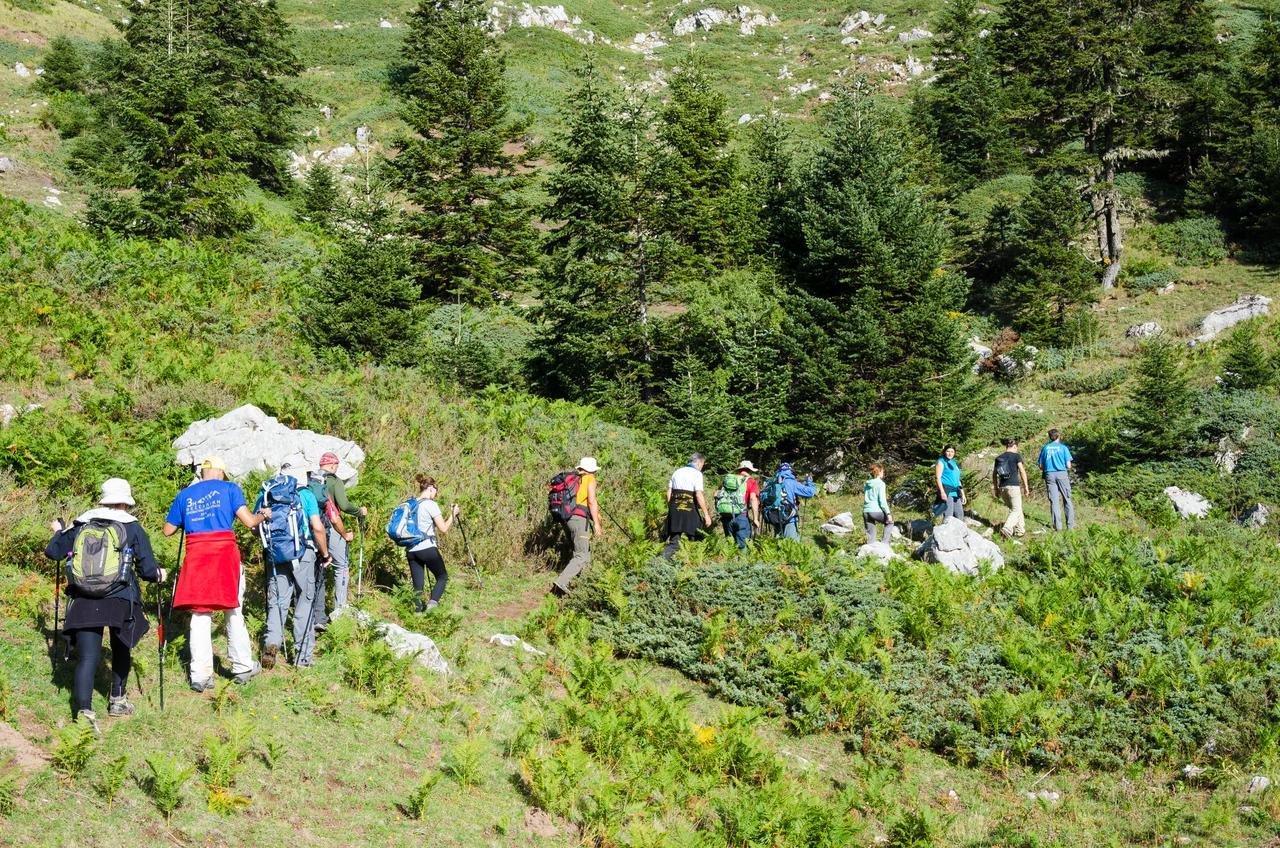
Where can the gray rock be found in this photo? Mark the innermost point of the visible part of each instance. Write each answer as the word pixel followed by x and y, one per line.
pixel 1258 783
pixel 404 643
pixel 981 350
pixel 1247 306
pixel 1227 455
pixel 1256 516
pixel 1188 504
pixel 249 440
pixel 914 34
pixel 8 412
pixel 7 164
pixel 1143 331
pixel 840 524
pixel 21 70
pixel 878 550
pixel 835 483
pixel 960 548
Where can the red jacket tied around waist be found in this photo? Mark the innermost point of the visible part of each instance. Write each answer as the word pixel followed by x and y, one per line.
pixel 210 575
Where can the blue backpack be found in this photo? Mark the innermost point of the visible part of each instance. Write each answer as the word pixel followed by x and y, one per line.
pixel 284 535
pixel 777 505
pixel 403 527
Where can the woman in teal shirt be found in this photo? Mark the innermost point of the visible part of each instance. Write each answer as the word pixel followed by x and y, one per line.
pixel 875 505
pixel 946 475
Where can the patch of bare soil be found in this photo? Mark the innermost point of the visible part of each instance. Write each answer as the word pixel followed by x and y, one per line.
pixel 26 755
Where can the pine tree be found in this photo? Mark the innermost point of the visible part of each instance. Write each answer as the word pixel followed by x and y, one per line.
pixel 963 109
pixel 322 199
pixel 1155 423
pixel 877 354
pixel 64 68
pixel 472 232
pixel 1245 364
pixel 1049 277
pixel 366 298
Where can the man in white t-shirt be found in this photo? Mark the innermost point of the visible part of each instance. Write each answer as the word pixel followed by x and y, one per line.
pixel 685 500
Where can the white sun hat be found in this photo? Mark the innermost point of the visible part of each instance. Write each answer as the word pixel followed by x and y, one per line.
pixel 589 464
pixel 116 491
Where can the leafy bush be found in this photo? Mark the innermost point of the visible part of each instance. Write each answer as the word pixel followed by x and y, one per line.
pixel 1073 382
pixel 69 113
pixel 1194 241
pixel 995 671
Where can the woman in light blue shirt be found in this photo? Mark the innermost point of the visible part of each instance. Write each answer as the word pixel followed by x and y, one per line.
pixel 946 476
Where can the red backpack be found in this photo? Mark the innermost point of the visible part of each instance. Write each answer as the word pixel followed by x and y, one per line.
pixel 562 495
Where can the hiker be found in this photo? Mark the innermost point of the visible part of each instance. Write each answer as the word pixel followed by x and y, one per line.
pixel 211 578
pixel 581 515
pixel 875 506
pixel 686 502
pixel 946 476
pixel 1055 461
pixel 425 556
pixel 738 504
pixel 780 501
pixel 331 496
pixel 103 553
pixel 296 550
pixel 1009 480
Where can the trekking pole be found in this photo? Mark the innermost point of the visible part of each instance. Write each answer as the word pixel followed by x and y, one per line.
pixel 467 546
pixel 360 566
pixel 624 530
pixel 57 612
pixel 162 619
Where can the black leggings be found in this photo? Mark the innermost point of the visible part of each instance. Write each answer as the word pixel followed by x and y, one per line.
pixel 429 559
pixel 89 654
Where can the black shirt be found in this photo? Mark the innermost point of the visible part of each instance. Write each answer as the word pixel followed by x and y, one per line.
pixel 1007 468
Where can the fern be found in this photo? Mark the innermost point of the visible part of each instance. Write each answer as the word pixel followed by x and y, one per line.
pixel 168 776
pixel 73 747
pixel 465 762
pixel 113 777
pixel 419 804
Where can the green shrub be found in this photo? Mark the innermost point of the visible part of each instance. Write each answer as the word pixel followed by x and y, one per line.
pixel 168 776
pixel 73 747
pixel 419 805
pixel 1153 280
pixel 9 789
pixel 113 777
pixel 1072 382
pixel 1194 241
pixel 70 113
pixel 465 761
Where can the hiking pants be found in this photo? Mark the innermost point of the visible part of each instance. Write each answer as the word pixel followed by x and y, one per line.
pixel 952 507
pixel 200 640
pixel 869 522
pixel 427 559
pixel 1059 484
pixel 738 528
pixel 790 530
pixel 580 534
pixel 341 565
pixel 285 583
pixel 88 655
pixel 1016 523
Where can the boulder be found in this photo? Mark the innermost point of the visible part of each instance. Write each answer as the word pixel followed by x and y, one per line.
pixel 1144 330
pixel 1188 504
pixel 404 643
pixel 1255 516
pixel 840 524
pixel 8 412
pixel 7 164
pixel 1258 783
pixel 878 550
pixel 1227 455
pixel 1247 306
pixel 960 548
pixel 861 20
pixel 21 70
pixel 914 34
pixel 249 440
pixel 835 483
pixel 385 24
pixel 339 154
pixel 983 352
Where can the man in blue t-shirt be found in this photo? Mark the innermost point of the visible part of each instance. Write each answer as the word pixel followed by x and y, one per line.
pixel 297 580
pixel 1055 461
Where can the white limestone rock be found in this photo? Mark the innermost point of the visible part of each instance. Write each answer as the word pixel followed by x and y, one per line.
pixel 1247 306
pixel 840 525
pixel 249 440
pixel 1188 504
pixel 404 643
pixel 1145 330
pixel 960 548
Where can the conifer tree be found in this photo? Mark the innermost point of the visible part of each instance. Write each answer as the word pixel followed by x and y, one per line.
pixel 322 199
pixel 1049 277
pixel 1245 364
pixel 872 335
pixel 963 109
pixel 1155 423
pixel 462 163
pixel 64 68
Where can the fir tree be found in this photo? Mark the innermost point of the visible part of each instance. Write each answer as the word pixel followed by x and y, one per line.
pixel 1246 365
pixel 366 297
pixel 322 199
pixel 1155 423
pixel 872 335
pixel 963 108
pixel 1049 277
pixel 64 68
pixel 471 228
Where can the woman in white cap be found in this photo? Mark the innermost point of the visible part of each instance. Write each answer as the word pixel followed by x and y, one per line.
pixel 104 551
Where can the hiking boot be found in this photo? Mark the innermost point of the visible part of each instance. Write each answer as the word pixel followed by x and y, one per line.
pixel 118 706
pixel 269 654
pixel 242 679
pixel 301 663
pixel 91 718
pixel 432 605
pixel 202 686
pixel 320 628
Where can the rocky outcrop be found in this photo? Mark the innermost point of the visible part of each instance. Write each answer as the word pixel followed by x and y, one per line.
pixel 861 21
pixel 1188 504
pixel 1247 306
pixel 1256 516
pixel 747 19
pixel 960 548
pixel 249 440
pixel 1145 330
pixel 914 34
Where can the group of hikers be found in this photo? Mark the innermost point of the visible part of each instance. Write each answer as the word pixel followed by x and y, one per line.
pixel 300 515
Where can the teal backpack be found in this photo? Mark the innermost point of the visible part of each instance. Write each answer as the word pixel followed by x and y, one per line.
pixel 778 507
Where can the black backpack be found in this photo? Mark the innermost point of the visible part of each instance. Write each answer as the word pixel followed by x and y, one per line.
pixel 1006 467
